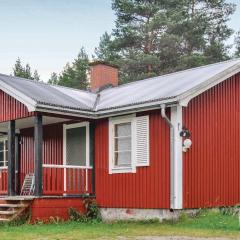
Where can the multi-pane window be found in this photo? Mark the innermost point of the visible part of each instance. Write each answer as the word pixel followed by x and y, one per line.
pixel 128 143
pixel 122 144
pixel 3 152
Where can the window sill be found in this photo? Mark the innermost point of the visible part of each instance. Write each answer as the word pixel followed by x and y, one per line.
pixel 122 170
pixel 3 168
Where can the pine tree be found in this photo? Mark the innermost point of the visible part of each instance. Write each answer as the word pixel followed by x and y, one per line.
pixel 28 72
pixel 152 37
pixel 237 44
pixel 24 72
pixel 75 75
pixel 53 78
pixel 18 69
pixel 106 51
pixel 81 67
pixel 67 76
pixel 36 76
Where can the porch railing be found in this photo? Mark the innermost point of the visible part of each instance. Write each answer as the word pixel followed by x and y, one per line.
pixel 3 180
pixel 66 179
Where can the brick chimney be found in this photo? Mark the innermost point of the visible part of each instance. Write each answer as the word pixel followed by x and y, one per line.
pixel 102 75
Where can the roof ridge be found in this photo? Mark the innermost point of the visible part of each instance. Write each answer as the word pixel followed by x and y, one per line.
pixel 172 73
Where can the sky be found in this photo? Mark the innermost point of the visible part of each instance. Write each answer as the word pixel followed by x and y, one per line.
pixel 49 33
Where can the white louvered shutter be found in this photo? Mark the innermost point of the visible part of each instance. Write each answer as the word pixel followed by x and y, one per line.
pixel 142 141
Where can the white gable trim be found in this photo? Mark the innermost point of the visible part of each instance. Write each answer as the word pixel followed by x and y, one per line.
pixel 185 98
pixel 28 102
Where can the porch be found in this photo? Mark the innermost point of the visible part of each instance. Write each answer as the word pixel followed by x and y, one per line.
pixel 56 150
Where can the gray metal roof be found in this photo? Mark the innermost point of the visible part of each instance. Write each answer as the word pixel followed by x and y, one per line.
pixel 52 95
pixel 167 88
pixel 164 87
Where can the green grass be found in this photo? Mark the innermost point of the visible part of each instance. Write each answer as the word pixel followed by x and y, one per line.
pixel 207 224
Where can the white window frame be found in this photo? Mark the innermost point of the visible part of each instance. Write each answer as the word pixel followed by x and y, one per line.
pixel 112 123
pixel 5 152
pixel 70 126
pixel 76 125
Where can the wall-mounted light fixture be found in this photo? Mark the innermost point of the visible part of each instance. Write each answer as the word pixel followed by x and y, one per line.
pixel 187 143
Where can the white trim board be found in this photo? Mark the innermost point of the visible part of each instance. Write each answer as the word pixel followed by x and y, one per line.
pixel 71 126
pixel 112 122
pixel 176 165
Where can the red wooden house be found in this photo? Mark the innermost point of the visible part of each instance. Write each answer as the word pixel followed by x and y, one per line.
pixel 128 146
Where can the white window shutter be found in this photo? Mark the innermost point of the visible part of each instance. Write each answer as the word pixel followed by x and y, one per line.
pixel 142 141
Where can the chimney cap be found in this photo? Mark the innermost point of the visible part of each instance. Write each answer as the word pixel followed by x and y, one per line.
pixel 94 63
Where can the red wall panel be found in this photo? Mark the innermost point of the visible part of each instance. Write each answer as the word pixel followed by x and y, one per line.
pixel 212 166
pixel 52 147
pixel 11 109
pixel 46 209
pixel 149 187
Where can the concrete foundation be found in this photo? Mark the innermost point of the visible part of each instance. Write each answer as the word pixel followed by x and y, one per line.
pixel 114 214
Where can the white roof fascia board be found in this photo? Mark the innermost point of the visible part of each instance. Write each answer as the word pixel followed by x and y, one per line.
pixel 138 106
pixel 27 101
pixel 65 111
pixel 105 113
pixel 185 98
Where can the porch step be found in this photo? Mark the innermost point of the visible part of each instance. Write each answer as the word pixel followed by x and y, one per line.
pixel 12 208
pixel 6 205
pixel 17 198
pixel 4 220
pixel 11 212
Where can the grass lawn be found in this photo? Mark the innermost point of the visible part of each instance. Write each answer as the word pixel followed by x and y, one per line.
pixel 207 224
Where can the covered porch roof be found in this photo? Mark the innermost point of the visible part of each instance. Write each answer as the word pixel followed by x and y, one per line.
pixel 28 122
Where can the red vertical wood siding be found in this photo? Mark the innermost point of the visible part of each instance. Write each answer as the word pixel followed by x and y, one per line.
pixel 212 166
pixel 149 187
pixel 52 147
pixel 3 181
pixel 46 209
pixel 11 109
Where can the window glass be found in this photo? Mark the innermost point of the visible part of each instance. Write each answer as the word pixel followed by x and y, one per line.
pixel 1 159
pixel 3 153
pixel 6 145
pixel 1 145
pixel 123 130
pixel 76 146
pixel 122 144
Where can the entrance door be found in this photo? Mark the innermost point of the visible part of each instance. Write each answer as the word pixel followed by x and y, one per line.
pixel 76 157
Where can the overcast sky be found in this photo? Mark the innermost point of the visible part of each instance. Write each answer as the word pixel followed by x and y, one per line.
pixel 49 33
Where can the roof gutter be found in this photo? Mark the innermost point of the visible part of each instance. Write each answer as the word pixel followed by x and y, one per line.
pixel 100 114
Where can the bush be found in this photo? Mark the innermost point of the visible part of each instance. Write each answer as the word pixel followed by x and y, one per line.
pixel 92 212
pixel 230 211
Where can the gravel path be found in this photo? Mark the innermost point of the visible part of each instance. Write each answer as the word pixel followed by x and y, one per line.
pixel 181 238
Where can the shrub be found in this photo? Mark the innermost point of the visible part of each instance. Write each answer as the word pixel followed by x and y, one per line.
pixel 92 212
pixel 230 211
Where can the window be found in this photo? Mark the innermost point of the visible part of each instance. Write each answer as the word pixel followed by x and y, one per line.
pixel 76 144
pixel 3 152
pixel 128 143
pixel 122 144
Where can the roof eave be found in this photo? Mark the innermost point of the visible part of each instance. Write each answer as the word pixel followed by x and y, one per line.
pixel 107 112
pixel 27 101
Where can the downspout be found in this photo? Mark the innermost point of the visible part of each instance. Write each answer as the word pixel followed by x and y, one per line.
pixel 168 121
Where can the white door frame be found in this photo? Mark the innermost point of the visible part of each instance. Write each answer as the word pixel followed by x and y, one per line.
pixel 70 126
